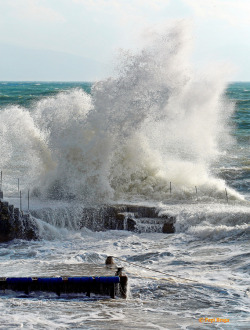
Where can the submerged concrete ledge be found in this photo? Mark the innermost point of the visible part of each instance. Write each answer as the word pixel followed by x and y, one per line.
pixel 126 217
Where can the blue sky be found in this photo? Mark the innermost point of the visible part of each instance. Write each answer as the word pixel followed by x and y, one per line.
pixel 79 39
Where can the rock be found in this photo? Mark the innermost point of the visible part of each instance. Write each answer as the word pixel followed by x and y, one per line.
pixel 13 224
pixel 168 228
pixel 109 260
pixel 131 224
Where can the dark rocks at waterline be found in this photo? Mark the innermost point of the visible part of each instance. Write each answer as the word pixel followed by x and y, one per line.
pixel 168 228
pixel 14 224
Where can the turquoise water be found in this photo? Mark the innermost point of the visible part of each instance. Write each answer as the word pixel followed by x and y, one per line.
pixel 24 93
pixel 240 93
pixel 237 168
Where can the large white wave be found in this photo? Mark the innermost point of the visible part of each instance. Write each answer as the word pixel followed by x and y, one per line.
pixel 156 122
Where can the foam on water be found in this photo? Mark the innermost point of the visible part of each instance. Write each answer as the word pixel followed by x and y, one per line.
pixel 156 301
pixel 156 122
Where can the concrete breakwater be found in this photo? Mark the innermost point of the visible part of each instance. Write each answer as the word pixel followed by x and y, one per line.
pixel 127 217
pixel 15 224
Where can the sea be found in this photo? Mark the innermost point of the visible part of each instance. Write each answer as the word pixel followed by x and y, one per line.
pixel 155 135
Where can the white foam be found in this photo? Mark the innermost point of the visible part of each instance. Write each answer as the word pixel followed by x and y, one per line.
pixel 156 122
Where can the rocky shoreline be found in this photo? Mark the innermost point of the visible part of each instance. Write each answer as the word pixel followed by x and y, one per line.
pixel 14 224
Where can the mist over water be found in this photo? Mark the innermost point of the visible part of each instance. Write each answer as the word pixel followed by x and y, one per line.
pixel 155 122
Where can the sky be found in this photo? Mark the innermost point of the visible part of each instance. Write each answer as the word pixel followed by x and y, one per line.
pixel 78 40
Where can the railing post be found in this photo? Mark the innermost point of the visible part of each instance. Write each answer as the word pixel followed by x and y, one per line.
pixel 226 194
pixel 28 200
pixel 20 201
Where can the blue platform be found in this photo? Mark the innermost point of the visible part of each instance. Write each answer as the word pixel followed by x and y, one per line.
pixel 103 285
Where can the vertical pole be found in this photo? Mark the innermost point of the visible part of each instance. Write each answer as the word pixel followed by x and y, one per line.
pixel 123 286
pixel 170 187
pixel 18 185
pixel 196 193
pixel 1 184
pixel 20 201
pixel 28 200
pixel 226 194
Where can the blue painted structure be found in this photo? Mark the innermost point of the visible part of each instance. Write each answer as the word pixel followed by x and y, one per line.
pixel 101 285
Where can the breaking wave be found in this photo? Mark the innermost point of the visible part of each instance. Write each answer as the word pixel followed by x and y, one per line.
pixel 156 122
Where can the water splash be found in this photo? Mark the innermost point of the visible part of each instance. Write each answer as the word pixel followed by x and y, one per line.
pixel 155 122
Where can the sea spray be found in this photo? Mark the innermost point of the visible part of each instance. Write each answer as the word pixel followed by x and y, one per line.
pixel 155 122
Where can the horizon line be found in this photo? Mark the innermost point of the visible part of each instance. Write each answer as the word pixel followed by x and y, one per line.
pixel 87 81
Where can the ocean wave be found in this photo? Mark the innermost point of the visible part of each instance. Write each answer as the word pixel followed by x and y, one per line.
pixel 154 125
pixel 210 221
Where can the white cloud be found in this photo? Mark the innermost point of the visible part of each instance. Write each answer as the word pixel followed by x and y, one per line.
pixel 125 11
pixel 153 4
pixel 232 11
pixel 32 9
